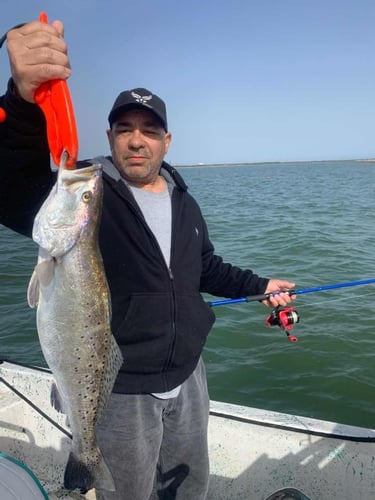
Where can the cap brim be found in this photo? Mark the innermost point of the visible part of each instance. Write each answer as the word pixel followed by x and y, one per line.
pixel 114 114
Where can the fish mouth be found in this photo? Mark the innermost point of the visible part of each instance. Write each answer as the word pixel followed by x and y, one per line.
pixel 66 175
pixel 92 169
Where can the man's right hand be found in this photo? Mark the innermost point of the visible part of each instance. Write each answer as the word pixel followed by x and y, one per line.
pixel 37 53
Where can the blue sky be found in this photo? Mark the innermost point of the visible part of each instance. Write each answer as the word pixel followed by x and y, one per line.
pixel 243 80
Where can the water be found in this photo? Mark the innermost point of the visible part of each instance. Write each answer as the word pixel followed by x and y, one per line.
pixel 312 223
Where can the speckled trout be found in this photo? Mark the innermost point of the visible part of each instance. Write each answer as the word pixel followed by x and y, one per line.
pixel 70 291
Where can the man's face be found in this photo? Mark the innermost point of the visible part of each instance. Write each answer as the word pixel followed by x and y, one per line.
pixel 138 144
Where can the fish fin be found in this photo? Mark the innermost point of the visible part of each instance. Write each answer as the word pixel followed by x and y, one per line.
pixel 33 290
pixel 45 271
pixel 103 477
pixel 56 400
pixel 43 274
pixel 115 361
pixel 79 475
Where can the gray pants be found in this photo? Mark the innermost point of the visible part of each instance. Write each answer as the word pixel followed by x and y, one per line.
pixel 157 448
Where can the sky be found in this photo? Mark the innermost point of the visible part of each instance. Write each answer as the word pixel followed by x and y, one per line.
pixel 243 80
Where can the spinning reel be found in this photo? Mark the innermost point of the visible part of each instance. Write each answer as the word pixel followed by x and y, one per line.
pixel 285 319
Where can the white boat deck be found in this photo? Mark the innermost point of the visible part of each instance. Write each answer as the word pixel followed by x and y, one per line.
pixel 255 452
pixel 252 452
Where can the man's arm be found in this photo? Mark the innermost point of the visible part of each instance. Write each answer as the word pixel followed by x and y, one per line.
pixel 25 173
pixel 37 53
pixel 225 280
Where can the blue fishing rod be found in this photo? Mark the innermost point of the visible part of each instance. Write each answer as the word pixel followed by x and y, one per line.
pixel 265 296
pixel 286 318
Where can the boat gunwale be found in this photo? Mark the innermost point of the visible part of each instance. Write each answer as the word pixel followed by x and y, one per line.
pixel 292 423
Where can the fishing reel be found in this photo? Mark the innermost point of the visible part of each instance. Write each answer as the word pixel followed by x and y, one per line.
pixel 285 319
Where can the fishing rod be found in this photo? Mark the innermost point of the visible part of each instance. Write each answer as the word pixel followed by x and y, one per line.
pixel 286 318
pixel 265 296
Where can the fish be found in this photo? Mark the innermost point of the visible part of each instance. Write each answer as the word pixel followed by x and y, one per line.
pixel 69 290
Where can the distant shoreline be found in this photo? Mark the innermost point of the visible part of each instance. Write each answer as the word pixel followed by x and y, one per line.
pixel 244 164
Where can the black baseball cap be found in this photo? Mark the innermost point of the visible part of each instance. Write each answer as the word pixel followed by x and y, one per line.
pixel 138 98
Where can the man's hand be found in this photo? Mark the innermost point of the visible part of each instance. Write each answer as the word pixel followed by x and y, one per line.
pixel 37 53
pixel 280 299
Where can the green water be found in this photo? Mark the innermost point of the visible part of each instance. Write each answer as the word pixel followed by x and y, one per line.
pixel 312 223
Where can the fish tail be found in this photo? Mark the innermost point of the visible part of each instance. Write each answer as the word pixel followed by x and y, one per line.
pixel 79 475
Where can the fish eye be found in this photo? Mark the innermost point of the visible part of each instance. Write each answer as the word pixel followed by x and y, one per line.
pixel 86 196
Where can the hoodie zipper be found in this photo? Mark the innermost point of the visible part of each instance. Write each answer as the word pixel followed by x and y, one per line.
pixel 176 207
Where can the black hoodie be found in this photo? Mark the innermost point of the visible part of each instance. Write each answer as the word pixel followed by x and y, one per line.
pixel 159 317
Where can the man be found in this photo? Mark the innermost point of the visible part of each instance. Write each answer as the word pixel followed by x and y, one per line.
pixel 158 259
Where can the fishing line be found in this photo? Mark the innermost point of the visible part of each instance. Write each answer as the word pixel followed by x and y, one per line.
pixel 338 299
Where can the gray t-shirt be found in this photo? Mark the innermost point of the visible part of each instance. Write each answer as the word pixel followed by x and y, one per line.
pixel 156 209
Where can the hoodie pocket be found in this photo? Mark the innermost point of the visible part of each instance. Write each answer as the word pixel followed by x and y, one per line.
pixel 146 332
pixel 194 320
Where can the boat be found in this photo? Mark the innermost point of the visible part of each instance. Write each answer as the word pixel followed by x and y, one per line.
pixel 253 453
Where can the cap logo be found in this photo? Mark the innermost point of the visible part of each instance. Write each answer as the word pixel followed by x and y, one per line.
pixel 141 99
